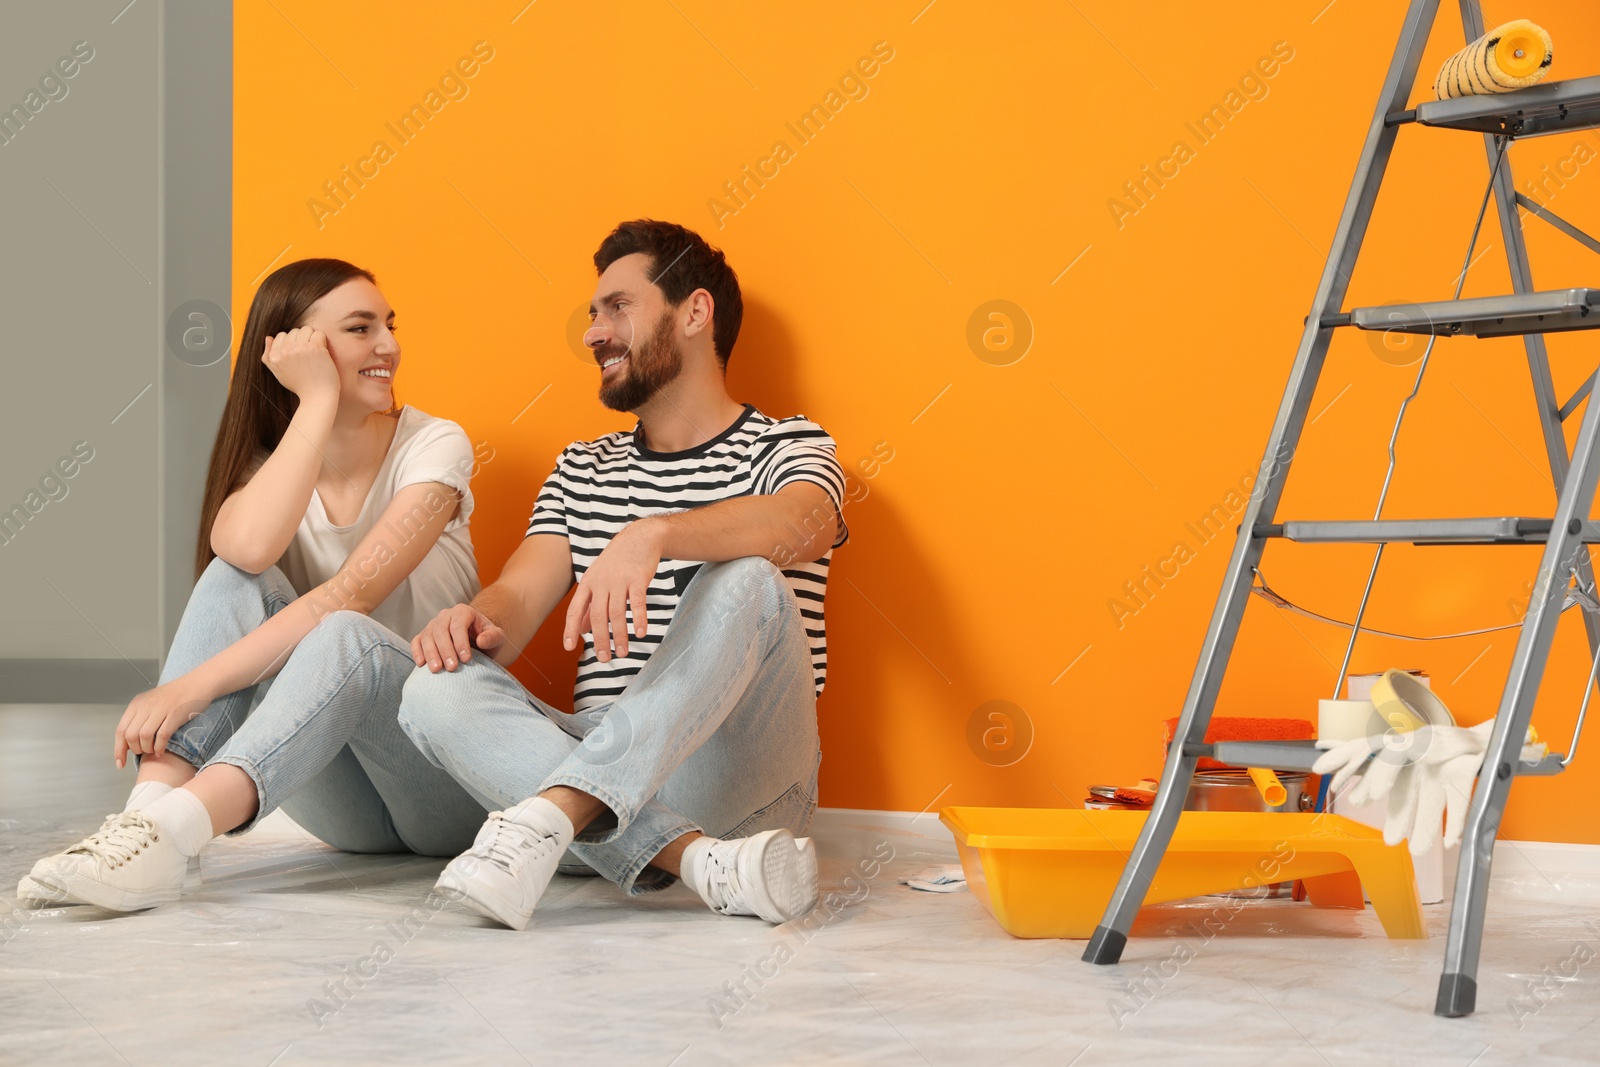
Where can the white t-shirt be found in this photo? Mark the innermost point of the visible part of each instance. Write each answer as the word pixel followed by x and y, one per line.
pixel 424 449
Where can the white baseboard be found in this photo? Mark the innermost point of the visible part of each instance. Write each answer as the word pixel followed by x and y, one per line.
pixel 1562 855
pixel 913 822
pixel 1546 870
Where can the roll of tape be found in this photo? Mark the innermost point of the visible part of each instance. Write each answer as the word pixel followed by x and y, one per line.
pixel 1406 704
pixel 1344 720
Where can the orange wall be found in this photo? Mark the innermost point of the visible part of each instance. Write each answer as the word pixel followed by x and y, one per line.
pixel 979 165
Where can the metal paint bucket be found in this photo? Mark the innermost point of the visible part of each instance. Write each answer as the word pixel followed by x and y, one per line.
pixel 1230 789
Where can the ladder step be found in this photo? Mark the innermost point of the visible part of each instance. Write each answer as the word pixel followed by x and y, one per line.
pixel 1278 755
pixel 1545 768
pixel 1300 755
pixel 1483 316
pixel 1490 531
pixel 1551 107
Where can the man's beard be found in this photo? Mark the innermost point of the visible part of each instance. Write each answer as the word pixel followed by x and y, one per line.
pixel 650 367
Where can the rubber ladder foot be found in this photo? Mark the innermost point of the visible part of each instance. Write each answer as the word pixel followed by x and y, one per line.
pixel 1105 946
pixel 1458 995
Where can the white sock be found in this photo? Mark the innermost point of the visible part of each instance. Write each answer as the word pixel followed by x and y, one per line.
pixel 694 855
pixel 181 815
pixel 144 793
pixel 545 815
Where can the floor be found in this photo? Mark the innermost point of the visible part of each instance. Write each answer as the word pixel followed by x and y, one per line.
pixel 244 969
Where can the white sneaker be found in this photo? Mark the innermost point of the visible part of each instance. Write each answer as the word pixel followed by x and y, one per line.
pixel 508 867
pixel 773 875
pixel 32 893
pixel 128 865
pixel 37 888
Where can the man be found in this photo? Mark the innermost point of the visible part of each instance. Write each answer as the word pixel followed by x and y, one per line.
pixel 700 544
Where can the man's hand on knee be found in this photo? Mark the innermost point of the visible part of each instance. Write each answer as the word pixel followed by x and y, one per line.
pixel 618 579
pixel 448 641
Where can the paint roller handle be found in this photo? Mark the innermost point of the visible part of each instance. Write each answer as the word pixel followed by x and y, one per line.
pixel 1272 790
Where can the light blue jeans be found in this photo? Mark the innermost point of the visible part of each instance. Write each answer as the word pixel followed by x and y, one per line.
pixel 320 738
pixel 717 732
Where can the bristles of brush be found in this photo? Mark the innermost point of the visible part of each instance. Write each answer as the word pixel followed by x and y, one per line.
pixel 1142 793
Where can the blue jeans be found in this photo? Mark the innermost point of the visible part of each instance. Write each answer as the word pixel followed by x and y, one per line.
pixel 717 732
pixel 320 739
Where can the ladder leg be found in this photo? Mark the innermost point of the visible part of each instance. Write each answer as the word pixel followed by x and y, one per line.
pixel 1564 555
pixel 1505 193
pixel 1112 934
pixel 1458 984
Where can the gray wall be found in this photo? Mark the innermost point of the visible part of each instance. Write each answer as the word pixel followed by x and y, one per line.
pixel 116 182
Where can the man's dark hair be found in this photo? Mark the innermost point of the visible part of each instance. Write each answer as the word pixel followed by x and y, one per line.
pixel 680 263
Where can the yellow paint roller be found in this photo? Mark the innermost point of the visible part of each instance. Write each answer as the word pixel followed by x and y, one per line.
pixel 1508 57
pixel 1272 790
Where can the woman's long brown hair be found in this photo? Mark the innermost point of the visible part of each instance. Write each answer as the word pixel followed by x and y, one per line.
pixel 259 406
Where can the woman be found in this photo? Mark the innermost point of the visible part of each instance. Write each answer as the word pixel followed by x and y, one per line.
pixel 335 525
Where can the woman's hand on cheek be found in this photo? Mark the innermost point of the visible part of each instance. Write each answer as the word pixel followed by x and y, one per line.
pixel 152 718
pixel 300 359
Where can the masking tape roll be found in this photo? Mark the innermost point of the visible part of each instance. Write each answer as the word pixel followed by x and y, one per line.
pixel 1344 720
pixel 1508 57
pixel 1406 704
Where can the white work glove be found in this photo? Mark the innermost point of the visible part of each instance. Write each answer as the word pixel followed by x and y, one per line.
pixel 1445 773
pixel 1426 773
pixel 1344 759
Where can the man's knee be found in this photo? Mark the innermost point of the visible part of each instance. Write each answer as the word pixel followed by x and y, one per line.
pixel 425 701
pixel 753 569
pixel 749 580
pixel 433 706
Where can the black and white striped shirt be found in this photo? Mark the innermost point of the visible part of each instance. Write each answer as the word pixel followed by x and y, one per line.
pixel 600 486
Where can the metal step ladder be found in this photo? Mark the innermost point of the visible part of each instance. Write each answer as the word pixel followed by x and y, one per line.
pixel 1542 109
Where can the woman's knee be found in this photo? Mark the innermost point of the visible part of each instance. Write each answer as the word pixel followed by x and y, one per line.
pixel 221 574
pixel 221 578
pixel 346 622
pixel 351 633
